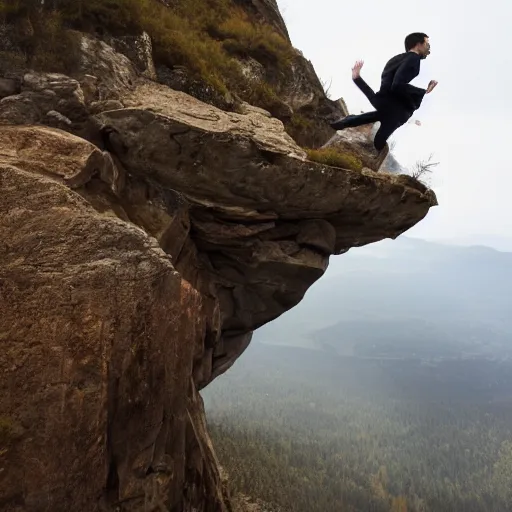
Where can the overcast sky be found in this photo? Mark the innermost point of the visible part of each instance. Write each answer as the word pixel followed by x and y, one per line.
pixel 465 121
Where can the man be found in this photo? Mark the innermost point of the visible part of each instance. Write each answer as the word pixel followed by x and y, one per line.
pixel 397 99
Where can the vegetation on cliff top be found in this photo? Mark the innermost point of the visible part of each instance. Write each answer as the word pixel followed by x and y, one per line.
pixel 220 51
pixel 205 36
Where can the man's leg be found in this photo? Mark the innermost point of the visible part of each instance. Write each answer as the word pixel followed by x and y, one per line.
pixel 389 124
pixel 353 121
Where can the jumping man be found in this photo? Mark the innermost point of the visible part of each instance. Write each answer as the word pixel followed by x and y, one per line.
pixel 397 99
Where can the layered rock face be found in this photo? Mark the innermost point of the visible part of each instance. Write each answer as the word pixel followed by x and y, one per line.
pixel 145 235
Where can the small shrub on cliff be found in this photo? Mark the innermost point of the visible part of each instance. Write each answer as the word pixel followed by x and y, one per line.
pixel 55 48
pixel 246 39
pixel 335 158
pixel 423 169
pixel 37 37
pixel 299 122
pixel 263 94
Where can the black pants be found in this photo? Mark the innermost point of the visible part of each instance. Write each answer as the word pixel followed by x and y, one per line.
pixel 390 114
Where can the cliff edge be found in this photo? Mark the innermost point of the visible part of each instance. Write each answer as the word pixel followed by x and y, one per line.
pixel 145 235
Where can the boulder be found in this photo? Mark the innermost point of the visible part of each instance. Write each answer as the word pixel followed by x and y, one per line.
pixel 9 87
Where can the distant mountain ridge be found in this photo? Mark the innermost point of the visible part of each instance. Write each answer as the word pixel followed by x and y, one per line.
pixel 497 242
pixel 406 298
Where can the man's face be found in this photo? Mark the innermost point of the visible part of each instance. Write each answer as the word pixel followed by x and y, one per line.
pixel 424 48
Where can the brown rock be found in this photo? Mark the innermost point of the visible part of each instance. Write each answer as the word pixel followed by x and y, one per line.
pixel 263 178
pixel 139 50
pixel 319 235
pixel 114 71
pixel 42 93
pixel 180 78
pixel 134 270
pixel 22 109
pixel 96 107
pixel 99 337
pixel 268 12
pixel 89 84
pixel 301 89
pixel 72 160
pixel 66 447
pixel 132 277
pixel 57 120
pixel 62 85
pixel 9 87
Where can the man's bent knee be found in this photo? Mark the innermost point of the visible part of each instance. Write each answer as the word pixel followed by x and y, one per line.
pixel 379 145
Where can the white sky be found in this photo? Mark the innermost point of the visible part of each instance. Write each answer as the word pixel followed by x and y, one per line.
pixel 465 121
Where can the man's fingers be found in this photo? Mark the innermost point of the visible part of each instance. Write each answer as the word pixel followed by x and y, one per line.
pixel 431 85
pixel 356 70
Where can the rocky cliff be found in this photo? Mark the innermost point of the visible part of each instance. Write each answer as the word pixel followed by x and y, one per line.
pixel 145 235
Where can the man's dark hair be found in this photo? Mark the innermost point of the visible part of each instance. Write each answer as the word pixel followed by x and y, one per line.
pixel 413 39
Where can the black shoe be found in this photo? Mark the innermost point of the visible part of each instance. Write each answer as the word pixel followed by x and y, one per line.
pixel 342 123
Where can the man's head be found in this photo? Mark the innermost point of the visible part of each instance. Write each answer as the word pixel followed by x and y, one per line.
pixel 418 42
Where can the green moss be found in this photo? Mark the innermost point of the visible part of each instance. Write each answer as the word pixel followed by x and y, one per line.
pixel 335 158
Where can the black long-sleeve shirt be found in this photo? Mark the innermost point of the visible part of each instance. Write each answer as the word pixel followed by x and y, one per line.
pixel 397 74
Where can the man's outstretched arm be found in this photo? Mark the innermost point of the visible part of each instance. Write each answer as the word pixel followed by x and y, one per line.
pixel 356 77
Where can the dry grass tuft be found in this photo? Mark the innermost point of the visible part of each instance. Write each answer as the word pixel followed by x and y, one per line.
pixel 335 158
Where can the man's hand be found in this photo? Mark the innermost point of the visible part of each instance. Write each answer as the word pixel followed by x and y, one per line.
pixel 356 70
pixel 431 86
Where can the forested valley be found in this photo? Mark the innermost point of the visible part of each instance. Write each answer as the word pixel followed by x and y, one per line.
pixel 308 431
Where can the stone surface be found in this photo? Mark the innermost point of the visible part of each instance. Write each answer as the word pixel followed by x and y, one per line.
pixel 303 91
pixel 268 12
pixel 263 218
pixel 96 107
pixel 89 84
pixel 131 277
pixel 181 79
pixel 137 258
pixel 139 50
pixel 359 142
pixel 9 87
pixel 57 120
pixel 99 335
pixel 71 160
pixel 40 94
pixel 343 107
pixel 114 71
